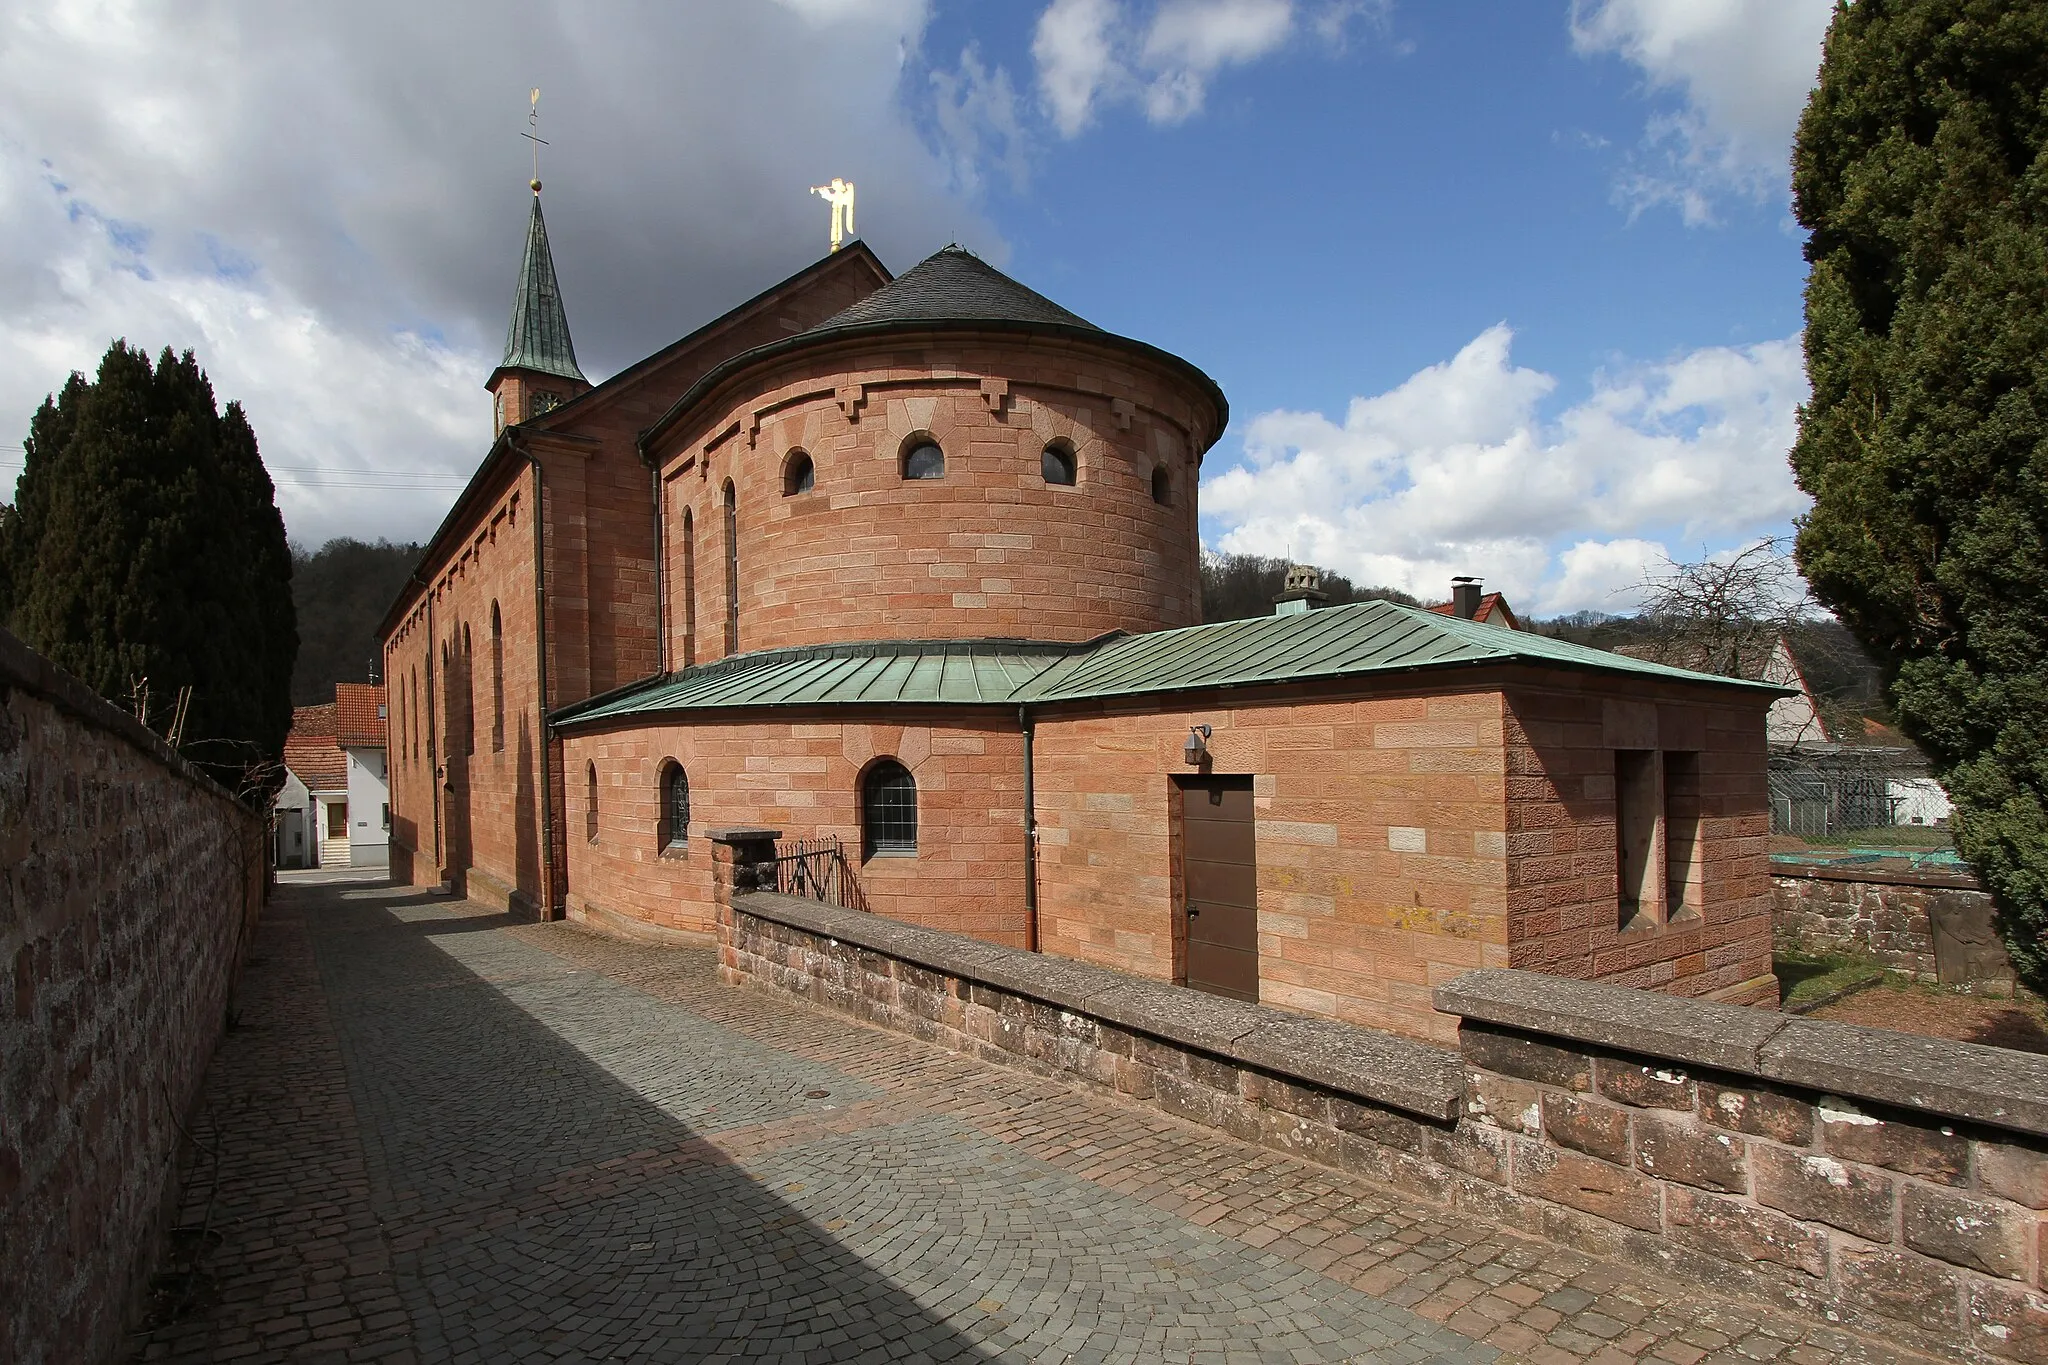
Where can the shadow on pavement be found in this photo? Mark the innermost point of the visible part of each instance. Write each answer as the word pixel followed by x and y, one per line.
pixel 544 1182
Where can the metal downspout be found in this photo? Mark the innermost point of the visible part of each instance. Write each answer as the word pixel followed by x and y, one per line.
pixel 1024 724
pixel 546 909
pixel 433 731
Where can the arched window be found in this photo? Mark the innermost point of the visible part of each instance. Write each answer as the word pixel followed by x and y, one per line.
pixel 732 570
pixel 1162 487
pixel 590 803
pixel 922 459
pixel 468 693
pixel 497 680
pixel 799 475
pixel 888 809
pixel 673 834
pixel 689 588
pixel 1056 463
pixel 416 713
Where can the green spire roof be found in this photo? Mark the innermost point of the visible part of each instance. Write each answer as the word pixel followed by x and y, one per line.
pixel 539 336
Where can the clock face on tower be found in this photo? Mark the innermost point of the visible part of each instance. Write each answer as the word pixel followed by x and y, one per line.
pixel 542 401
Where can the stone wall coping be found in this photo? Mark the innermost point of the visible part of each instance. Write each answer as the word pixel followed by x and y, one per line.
pixel 742 834
pixel 23 667
pixel 1878 876
pixel 1399 1073
pixel 1989 1085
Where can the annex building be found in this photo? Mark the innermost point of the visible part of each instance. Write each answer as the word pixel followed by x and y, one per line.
pixel 912 563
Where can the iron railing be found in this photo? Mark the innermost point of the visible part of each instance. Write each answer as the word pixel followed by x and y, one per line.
pixel 817 870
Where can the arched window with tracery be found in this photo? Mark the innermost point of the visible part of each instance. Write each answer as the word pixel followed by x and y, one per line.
pixel 673 834
pixel 888 810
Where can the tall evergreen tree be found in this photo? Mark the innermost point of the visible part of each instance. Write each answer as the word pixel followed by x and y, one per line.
pixel 1920 174
pixel 146 545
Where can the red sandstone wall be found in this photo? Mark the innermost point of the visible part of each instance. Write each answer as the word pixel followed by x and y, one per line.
pixel 1355 921
pixel 801 776
pixel 601 609
pixel 989 550
pixel 1562 894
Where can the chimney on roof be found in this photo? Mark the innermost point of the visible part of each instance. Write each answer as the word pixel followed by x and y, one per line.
pixel 1465 593
pixel 1303 591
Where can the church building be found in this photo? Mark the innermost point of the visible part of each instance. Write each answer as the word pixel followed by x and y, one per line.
pixel 912 563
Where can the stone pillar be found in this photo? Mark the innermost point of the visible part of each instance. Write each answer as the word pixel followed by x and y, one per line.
pixel 742 860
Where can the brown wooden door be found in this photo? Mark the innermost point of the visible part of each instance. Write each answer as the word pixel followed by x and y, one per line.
pixel 1220 857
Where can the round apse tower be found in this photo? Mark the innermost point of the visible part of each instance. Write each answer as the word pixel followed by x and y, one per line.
pixel 954 457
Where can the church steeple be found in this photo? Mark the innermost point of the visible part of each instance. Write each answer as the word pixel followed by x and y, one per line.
pixel 539 371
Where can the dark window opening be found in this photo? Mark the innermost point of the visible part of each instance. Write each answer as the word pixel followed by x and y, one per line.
pixel 674 833
pixel 468 694
pixel 732 570
pixel 1162 487
pixel 590 803
pixel 689 588
pixel 1056 463
pixel 497 680
pixel 799 475
pixel 889 810
pixel 924 461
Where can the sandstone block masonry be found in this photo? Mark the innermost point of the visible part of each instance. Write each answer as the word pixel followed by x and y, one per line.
pixel 1887 1182
pixel 1933 926
pixel 128 882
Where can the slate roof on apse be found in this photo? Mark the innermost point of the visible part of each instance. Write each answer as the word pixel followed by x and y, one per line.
pixel 1361 639
pixel 952 285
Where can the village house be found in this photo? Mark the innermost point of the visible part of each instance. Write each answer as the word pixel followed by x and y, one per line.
pixel 912 564
pixel 334 808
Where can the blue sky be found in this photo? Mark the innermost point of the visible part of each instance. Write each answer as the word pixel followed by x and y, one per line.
pixel 1510 290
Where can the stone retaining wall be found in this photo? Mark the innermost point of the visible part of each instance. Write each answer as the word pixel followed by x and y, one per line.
pixel 1875 1179
pixel 1933 926
pixel 127 884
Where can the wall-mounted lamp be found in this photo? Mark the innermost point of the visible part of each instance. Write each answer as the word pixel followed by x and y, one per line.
pixel 1196 751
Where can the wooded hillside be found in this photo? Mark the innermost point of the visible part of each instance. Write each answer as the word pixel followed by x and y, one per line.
pixel 342 591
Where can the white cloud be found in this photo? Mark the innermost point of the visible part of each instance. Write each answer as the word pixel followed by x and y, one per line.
pixel 1739 70
pixel 1091 52
pixel 301 193
pixel 975 110
pixel 1455 470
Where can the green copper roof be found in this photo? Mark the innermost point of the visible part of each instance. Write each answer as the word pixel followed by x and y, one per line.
pixel 538 338
pixel 1361 639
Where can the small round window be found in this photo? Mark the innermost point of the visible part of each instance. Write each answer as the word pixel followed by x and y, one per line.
pixel 924 461
pixel 1057 464
pixel 1162 486
pixel 799 475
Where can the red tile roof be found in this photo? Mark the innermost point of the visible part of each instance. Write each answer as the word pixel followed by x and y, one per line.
pixel 317 761
pixel 361 724
pixel 316 720
pixel 1493 611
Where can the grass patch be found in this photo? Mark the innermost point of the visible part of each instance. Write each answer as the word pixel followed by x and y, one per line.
pixel 1806 983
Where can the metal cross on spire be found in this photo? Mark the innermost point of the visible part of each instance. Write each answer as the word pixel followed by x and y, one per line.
pixel 532 134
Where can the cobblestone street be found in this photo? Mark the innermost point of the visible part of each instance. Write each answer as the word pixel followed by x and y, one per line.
pixel 436 1135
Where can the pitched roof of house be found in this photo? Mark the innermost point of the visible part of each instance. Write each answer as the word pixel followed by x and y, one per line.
pixel 322 718
pixel 317 761
pixel 1361 639
pixel 1493 611
pixel 538 338
pixel 360 709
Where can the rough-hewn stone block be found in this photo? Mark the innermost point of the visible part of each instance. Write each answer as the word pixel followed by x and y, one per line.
pixel 2012 1171
pixel 1761 1112
pixel 1898 1286
pixel 1645 1086
pixel 1585 1183
pixel 1981 1234
pixel 1513 1054
pixel 1677 1149
pixel 1910 1146
pixel 1738 1231
pixel 1586 1125
pixel 1824 1190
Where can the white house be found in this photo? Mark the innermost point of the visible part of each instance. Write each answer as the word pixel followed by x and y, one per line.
pixel 335 807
